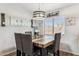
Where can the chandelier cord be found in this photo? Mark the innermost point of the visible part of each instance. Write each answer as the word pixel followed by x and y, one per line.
pixel 39 7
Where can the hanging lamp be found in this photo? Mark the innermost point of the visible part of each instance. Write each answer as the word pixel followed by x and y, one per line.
pixel 38 15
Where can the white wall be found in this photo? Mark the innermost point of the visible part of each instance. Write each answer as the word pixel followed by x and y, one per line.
pixel 14 9
pixel 7 39
pixel 71 41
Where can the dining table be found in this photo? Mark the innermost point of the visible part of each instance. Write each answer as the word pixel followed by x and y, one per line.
pixel 43 44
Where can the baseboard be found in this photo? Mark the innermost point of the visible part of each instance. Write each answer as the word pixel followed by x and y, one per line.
pixel 7 51
pixel 74 53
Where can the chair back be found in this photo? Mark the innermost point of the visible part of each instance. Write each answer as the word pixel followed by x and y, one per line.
pixel 28 32
pixel 57 42
pixel 18 41
pixel 27 43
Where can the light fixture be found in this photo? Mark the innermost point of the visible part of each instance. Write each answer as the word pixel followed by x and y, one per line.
pixel 55 13
pixel 38 15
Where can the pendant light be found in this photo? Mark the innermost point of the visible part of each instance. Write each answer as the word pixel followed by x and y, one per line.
pixel 38 15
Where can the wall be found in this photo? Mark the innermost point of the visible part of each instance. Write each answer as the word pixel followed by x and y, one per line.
pixel 7 39
pixel 70 42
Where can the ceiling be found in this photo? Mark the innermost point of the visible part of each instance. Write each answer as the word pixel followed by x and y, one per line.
pixel 26 9
pixel 30 7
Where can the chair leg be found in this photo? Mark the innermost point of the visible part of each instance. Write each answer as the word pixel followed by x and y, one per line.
pixel 23 54
pixel 54 54
pixel 58 53
pixel 47 52
pixel 18 53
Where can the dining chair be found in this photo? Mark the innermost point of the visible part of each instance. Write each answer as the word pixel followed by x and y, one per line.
pixel 28 32
pixel 55 47
pixel 28 47
pixel 27 44
pixel 18 43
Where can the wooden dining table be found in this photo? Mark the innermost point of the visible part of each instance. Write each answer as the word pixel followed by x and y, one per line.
pixel 43 44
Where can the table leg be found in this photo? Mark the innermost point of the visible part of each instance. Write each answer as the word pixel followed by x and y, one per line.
pixel 43 52
pixel 18 53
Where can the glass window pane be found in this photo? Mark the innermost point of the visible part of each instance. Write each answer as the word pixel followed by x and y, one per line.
pixel 48 26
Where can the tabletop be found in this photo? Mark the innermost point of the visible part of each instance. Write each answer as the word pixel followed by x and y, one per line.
pixel 42 43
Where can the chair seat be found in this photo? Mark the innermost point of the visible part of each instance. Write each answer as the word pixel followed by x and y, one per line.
pixel 50 49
